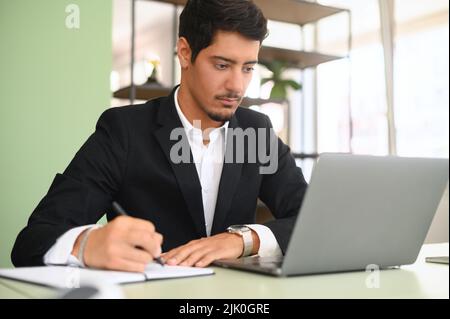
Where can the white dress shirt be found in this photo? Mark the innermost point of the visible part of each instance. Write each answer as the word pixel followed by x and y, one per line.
pixel 208 163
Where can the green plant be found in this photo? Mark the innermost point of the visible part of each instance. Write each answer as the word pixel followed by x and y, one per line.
pixel 153 78
pixel 280 85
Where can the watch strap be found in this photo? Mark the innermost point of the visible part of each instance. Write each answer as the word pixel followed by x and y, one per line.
pixel 248 242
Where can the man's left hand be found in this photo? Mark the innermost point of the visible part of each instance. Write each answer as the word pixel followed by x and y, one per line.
pixel 202 252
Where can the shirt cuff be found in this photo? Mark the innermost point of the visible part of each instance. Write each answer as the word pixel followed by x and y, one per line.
pixel 268 245
pixel 61 252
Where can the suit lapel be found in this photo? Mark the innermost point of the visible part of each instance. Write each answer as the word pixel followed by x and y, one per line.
pixel 185 173
pixel 231 174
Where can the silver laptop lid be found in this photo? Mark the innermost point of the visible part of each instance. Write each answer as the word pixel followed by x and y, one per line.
pixel 364 210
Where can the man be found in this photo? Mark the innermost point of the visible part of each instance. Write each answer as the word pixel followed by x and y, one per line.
pixel 131 158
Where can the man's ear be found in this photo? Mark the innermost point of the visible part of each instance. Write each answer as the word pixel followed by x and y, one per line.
pixel 184 52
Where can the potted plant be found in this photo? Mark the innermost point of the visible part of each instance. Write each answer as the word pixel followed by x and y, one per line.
pixel 280 85
pixel 153 78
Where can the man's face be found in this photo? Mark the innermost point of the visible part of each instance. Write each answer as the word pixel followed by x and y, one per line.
pixel 219 77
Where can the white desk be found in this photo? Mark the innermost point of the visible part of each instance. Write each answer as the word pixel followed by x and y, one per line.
pixel 420 280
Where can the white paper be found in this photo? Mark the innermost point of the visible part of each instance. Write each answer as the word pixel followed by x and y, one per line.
pixel 156 271
pixel 73 277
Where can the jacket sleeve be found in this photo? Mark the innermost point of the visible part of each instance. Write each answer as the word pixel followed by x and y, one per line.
pixel 79 196
pixel 283 193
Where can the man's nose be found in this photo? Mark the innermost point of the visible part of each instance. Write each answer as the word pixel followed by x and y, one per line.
pixel 235 82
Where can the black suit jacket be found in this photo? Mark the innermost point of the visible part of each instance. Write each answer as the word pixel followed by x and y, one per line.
pixel 127 159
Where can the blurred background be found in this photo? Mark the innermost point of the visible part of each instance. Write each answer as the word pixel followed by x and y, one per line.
pixel 358 76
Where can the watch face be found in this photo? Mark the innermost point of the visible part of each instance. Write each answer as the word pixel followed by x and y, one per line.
pixel 234 228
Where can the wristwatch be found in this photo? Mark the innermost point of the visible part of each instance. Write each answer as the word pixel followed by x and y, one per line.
pixel 246 234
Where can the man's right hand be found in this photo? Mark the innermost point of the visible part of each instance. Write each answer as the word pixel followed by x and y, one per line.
pixel 115 245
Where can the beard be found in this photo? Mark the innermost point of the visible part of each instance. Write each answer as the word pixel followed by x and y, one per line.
pixel 217 117
pixel 219 114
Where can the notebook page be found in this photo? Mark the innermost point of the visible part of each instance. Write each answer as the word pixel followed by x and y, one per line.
pixel 69 277
pixel 156 271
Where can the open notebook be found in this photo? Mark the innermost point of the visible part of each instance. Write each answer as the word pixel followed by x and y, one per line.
pixel 72 277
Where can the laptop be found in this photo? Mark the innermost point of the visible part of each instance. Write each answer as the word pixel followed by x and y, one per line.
pixel 358 212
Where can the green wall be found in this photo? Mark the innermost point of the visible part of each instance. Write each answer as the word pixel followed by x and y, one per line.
pixel 54 84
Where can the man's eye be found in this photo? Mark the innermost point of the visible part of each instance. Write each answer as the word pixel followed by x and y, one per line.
pixel 221 66
pixel 249 69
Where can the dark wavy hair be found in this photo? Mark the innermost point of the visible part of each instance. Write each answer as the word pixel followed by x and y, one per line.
pixel 201 19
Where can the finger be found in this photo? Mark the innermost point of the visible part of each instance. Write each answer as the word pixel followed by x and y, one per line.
pixel 129 222
pixel 207 259
pixel 170 254
pixel 183 253
pixel 126 265
pixel 173 252
pixel 148 242
pixel 142 224
pixel 158 238
pixel 195 256
pixel 137 255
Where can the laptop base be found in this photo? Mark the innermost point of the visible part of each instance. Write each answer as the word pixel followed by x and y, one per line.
pixel 264 265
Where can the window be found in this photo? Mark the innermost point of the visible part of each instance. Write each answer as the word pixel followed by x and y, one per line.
pixel 421 78
pixel 351 93
pixel 421 103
